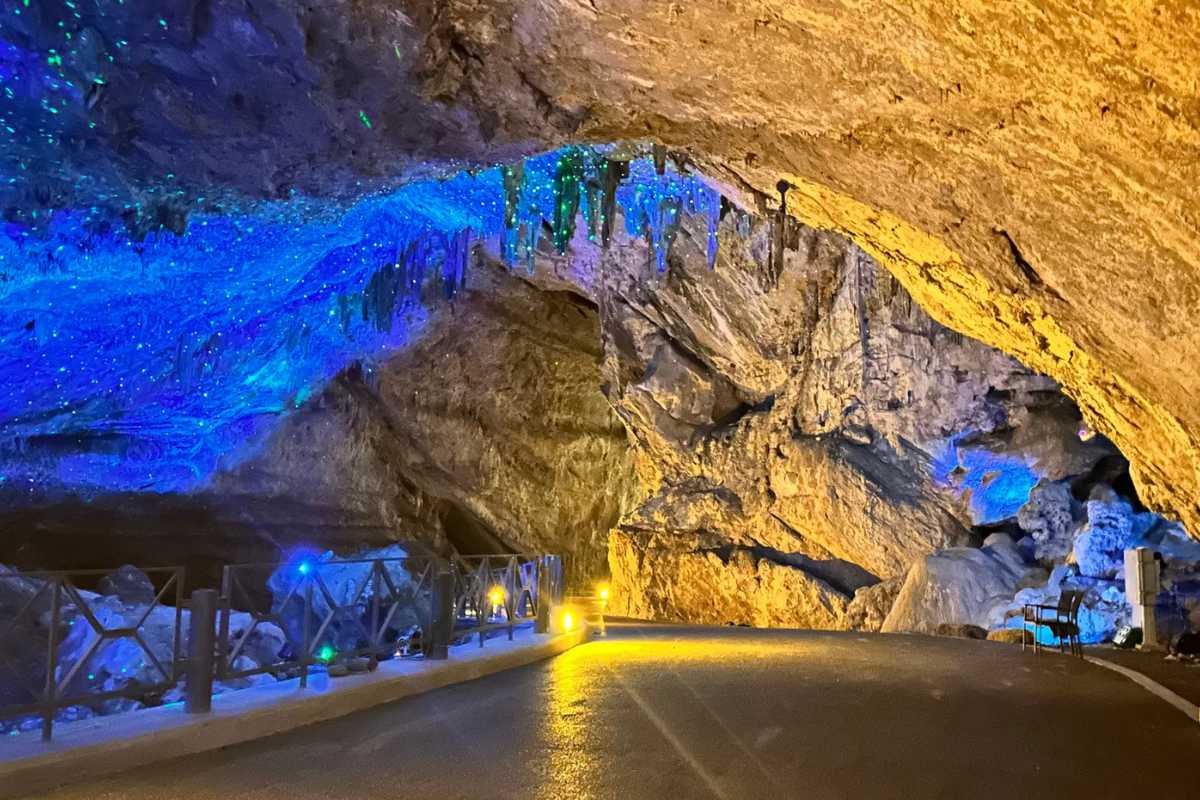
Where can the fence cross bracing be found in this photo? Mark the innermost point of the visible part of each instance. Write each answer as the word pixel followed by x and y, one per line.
pixel 64 647
pixel 341 608
pixel 492 592
pixel 60 644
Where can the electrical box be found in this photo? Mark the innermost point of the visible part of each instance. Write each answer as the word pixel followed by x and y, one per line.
pixel 1141 589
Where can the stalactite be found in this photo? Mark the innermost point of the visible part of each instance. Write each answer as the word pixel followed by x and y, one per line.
pixel 614 173
pixel 670 218
pixel 514 179
pixel 454 267
pixel 714 207
pixel 864 330
pixel 779 229
pixel 591 208
pixel 312 292
pixel 379 297
pixel 568 177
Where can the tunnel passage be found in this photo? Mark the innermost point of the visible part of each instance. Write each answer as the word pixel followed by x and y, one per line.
pixel 598 352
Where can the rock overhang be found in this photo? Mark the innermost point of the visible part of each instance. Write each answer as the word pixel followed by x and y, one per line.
pixel 1021 214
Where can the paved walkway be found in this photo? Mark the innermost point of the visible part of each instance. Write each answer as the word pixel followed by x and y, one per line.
pixel 669 713
pixel 1181 677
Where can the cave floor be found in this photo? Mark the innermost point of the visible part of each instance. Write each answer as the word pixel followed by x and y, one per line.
pixel 655 711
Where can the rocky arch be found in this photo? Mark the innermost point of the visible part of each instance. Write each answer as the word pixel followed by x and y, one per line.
pixel 1027 170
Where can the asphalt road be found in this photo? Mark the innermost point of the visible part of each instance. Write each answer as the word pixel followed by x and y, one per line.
pixel 668 713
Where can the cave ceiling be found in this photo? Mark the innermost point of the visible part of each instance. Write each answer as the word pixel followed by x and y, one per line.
pixel 1028 170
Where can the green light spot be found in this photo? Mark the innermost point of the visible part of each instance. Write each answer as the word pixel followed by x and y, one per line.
pixel 326 654
pixel 362 115
pixel 162 22
pixel 395 47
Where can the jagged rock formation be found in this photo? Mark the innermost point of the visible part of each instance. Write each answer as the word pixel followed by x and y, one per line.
pixel 871 604
pixel 489 433
pixel 674 580
pixel 804 415
pixel 800 430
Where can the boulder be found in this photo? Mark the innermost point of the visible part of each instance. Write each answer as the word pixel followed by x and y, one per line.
pixel 871 604
pixel 1010 636
pixel 1111 527
pixel 961 585
pixel 1049 517
pixel 130 585
pixel 961 631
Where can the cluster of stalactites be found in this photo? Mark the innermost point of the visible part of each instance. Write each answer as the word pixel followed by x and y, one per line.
pixel 400 279
pixel 541 195
pixel 589 183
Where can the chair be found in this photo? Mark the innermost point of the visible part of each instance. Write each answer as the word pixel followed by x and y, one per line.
pixel 1062 620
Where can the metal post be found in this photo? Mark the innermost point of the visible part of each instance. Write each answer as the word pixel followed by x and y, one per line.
pixel 437 646
pixel 226 601
pixel 307 646
pixel 376 634
pixel 510 586
pixel 201 646
pixel 51 657
pixel 541 597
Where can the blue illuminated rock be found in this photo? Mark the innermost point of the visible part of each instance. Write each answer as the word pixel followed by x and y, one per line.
pixel 1110 528
pixel 1050 516
pixel 146 364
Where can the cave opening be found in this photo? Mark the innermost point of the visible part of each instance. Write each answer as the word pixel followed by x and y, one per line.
pixel 597 351
pixel 843 318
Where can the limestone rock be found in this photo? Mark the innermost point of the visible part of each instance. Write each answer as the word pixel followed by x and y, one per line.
pixel 1049 516
pixel 130 585
pixel 916 134
pixel 805 410
pixel 487 433
pixel 663 581
pixel 871 604
pixel 1111 527
pixel 1010 636
pixel 961 586
pixel 961 631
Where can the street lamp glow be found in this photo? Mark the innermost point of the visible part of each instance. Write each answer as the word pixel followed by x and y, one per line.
pixel 568 622
pixel 496 596
pixel 602 593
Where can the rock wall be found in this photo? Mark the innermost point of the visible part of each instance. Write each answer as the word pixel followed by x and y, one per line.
pixel 488 433
pixel 804 416
pixel 1021 212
